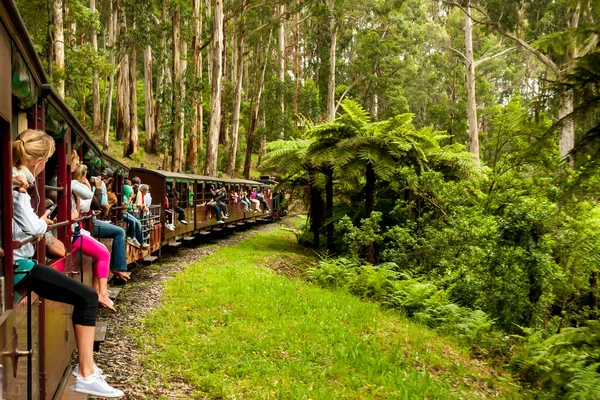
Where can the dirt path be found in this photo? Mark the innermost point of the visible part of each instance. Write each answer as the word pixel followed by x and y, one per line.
pixel 119 355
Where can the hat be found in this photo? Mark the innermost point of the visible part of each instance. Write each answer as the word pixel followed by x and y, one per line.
pixel 107 173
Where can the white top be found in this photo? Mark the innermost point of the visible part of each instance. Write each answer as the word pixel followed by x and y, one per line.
pixel 84 193
pixel 25 223
pixel 147 199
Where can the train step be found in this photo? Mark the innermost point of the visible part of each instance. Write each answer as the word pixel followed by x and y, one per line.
pixel 204 232
pixel 100 334
pixel 66 392
pixel 174 243
pixel 150 258
pixel 217 229
pixel 188 238
pixel 113 292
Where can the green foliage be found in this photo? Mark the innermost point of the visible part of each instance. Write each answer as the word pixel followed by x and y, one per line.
pixel 568 363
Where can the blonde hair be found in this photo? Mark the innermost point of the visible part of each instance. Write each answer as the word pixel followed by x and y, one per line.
pixel 74 158
pixel 79 171
pixel 31 144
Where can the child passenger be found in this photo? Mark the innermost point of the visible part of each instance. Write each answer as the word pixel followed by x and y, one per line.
pixel 31 151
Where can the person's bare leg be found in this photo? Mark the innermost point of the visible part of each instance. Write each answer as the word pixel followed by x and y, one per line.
pixel 84 335
pixel 102 291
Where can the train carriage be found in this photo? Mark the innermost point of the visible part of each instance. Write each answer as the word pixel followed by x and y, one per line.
pixel 36 335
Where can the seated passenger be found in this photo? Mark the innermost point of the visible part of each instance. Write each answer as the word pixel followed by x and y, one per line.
pixel 134 225
pixel 173 196
pixel 81 189
pixel 254 200
pixel 220 197
pixel 169 215
pixel 261 198
pixel 106 230
pixel 245 201
pixel 31 150
pixel 212 194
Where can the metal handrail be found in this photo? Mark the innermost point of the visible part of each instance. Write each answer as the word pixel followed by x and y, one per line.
pixel 55 188
pixel 84 218
pixel 17 244
pixel 59 224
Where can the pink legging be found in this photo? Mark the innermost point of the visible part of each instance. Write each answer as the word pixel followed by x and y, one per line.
pixel 93 248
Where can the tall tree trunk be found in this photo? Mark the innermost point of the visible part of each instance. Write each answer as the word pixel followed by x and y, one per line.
pixel 254 107
pixel 566 141
pixel 112 31
pixel 160 79
pixel 149 101
pixel 315 210
pixel 369 190
pixel 329 209
pixel 123 113
pixel 95 81
pixel 281 43
pixel 224 124
pixel 177 159
pixel 369 206
pixel 132 147
pixel 473 138
pixel 297 77
pixel 332 52
pixel 235 120
pixel 191 161
pixel 212 148
pixel 182 93
pixel 59 45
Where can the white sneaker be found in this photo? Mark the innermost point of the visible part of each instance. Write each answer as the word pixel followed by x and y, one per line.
pixel 96 386
pixel 170 227
pixel 97 371
pixel 183 221
pixel 220 222
pixel 136 243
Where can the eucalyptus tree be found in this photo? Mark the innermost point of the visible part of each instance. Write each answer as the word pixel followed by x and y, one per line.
pixel 524 22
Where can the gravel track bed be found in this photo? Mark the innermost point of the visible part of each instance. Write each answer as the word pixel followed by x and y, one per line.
pixel 119 354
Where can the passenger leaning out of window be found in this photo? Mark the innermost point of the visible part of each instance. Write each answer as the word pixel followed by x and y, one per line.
pixel 31 151
pixel 82 239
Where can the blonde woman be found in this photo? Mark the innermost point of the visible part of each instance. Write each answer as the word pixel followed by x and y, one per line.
pixel 31 151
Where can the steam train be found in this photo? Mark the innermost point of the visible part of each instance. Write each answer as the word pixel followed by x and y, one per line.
pixel 36 335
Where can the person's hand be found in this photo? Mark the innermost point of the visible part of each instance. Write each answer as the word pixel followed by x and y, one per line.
pixel 98 183
pixel 20 182
pixel 45 218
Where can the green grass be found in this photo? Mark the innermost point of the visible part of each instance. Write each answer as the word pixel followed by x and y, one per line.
pixel 234 329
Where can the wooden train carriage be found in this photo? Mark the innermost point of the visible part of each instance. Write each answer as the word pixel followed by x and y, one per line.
pixel 162 182
pixel 42 327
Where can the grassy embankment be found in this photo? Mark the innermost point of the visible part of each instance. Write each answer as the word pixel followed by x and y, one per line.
pixel 233 328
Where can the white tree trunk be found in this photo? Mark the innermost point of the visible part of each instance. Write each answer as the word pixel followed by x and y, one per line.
pixel 332 53
pixel 235 120
pixel 112 30
pixel 95 82
pixel 148 100
pixel 281 43
pixel 473 138
pixel 212 148
pixel 191 162
pixel 177 159
pixel 59 45
pixel 132 147
pixel 123 100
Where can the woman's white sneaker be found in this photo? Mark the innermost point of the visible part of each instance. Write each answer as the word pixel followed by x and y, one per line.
pixel 96 386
